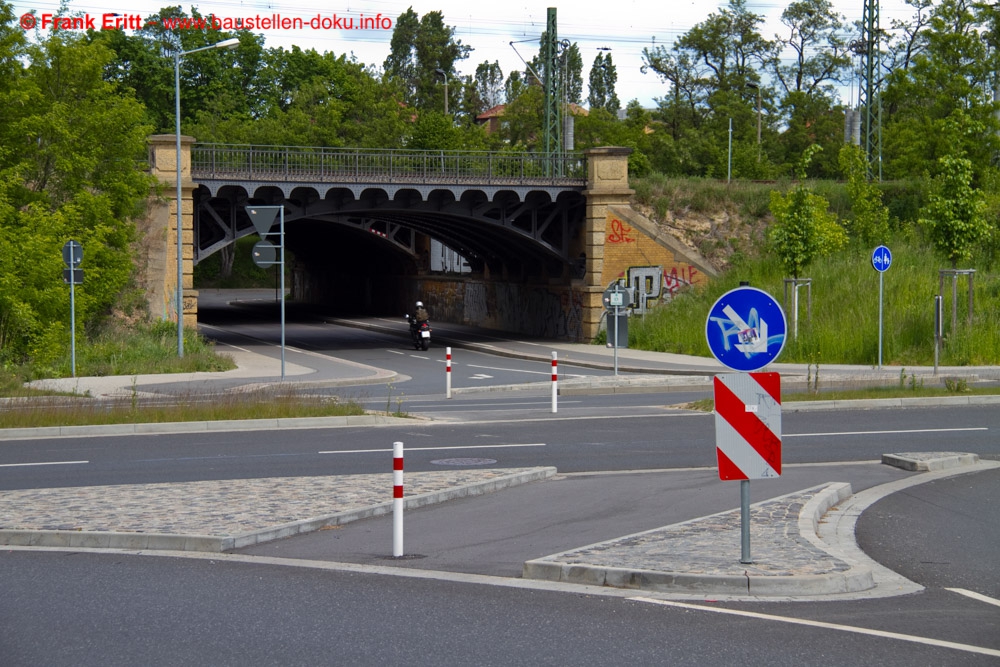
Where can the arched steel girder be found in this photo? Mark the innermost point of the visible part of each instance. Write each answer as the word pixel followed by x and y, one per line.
pixel 505 228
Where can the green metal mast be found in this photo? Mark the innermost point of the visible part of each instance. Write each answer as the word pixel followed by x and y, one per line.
pixel 553 128
pixel 869 99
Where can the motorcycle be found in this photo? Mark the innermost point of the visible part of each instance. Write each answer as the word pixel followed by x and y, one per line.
pixel 420 332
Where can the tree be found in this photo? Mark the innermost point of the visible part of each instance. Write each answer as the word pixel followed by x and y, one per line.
pixel 223 83
pixel 490 84
pixel 803 226
pixel 870 225
pixel 603 77
pixel 419 47
pixel 70 174
pixel 942 103
pixel 817 39
pixel 514 86
pixel 955 213
pixel 709 69
pixel 568 69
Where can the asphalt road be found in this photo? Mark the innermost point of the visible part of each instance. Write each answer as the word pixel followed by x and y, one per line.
pixel 458 601
pixel 582 439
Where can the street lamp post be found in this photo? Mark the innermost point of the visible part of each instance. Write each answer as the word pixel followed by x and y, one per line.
pixel 757 88
pixel 445 75
pixel 226 44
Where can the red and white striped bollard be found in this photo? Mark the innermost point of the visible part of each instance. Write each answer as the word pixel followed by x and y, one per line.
pixel 447 370
pixel 555 383
pixel 397 499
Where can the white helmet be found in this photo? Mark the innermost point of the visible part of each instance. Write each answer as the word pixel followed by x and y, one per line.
pixel 420 304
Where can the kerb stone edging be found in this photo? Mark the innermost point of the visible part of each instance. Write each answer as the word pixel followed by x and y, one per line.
pixel 217 544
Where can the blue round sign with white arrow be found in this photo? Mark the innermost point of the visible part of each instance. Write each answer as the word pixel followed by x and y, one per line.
pixel 881 259
pixel 746 329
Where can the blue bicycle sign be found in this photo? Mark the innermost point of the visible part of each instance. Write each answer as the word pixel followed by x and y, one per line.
pixel 881 259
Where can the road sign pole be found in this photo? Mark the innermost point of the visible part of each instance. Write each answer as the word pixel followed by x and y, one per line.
pixel 72 323
pixel 616 339
pixel 72 253
pixel 282 267
pixel 880 274
pixel 881 261
pixel 745 521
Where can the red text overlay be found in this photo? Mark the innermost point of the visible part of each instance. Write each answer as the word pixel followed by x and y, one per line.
pixel 116 21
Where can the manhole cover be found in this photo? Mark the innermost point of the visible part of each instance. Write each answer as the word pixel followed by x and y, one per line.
pixel 464 462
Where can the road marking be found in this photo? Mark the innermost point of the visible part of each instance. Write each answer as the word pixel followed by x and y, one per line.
pixel 829 626
pixel 975 596
pixel 425 405
pixel 518 370
pixel 432 449
pixel 46 463
pixel 417 356
pixel 395 352
pixel 915 430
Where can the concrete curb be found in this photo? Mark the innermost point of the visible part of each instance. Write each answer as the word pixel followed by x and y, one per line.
pixel 217 544
pixel 853 580
pixel 930 461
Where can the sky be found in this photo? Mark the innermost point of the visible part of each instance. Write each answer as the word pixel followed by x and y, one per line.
pixel 625 27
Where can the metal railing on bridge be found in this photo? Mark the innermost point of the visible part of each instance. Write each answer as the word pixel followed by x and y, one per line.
pixel 352 165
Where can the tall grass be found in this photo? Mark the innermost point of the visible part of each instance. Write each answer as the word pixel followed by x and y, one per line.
pixel 123 349
pixel 843 327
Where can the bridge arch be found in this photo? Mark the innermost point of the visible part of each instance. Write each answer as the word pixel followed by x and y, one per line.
pixel 365 222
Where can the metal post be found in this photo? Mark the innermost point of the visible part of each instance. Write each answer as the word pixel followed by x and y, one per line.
pixel 729 169
pixel 180 222
pixel 938 316
pixel 72 316
pixel 880 320
pixel 745 521
pixel 397 499
pixel 972 274
pixel 282 266
pixel 225 44
pixel 954 301
pixel 758 123
pixel 616 336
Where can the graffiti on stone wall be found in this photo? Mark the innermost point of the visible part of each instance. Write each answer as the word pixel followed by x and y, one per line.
pixel 620 233
pixel 531 310
pixel 476 307
pixel 654 284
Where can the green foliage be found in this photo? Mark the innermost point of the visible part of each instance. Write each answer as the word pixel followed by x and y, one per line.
pixel 844 323
pixel 803 228
pixel 603 77
pixel 954 215
pixel 870 224
pixel 70 175
pixel 419 47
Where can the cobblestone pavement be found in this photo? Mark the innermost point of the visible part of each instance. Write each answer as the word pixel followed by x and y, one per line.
pixel 712 545
pixel 219 508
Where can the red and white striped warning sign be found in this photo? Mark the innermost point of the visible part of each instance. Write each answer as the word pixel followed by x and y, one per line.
pixel 748 425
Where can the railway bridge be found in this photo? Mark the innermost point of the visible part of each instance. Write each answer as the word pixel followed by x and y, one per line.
pixel 504 240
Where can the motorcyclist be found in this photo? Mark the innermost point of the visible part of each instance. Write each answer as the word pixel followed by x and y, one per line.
pixel 420 313
pixel 418 321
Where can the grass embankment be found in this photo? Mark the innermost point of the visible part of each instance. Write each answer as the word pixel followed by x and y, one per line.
pixel 843 325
